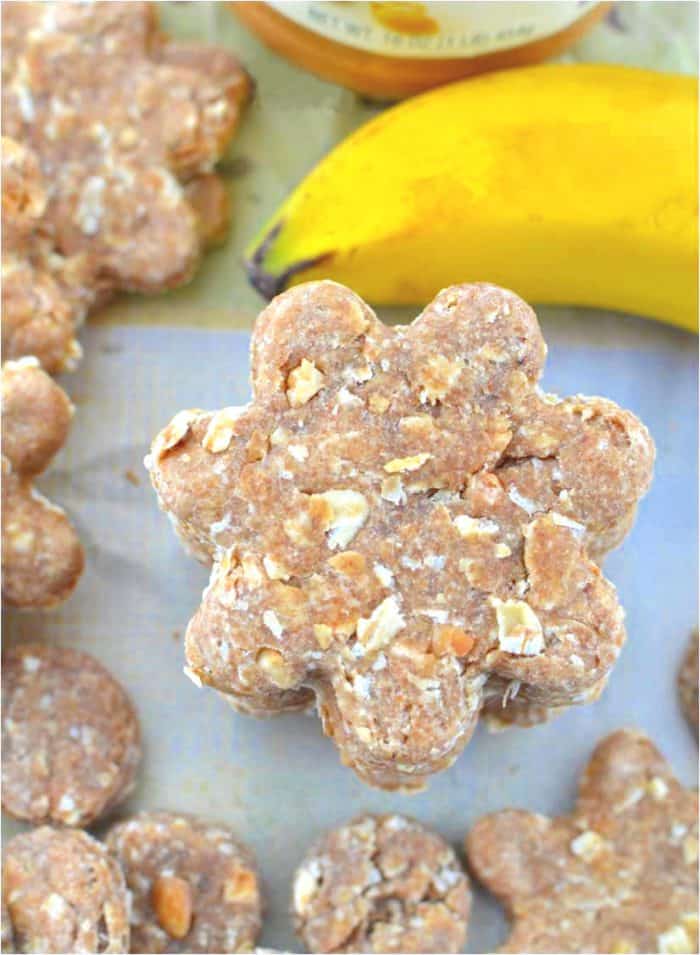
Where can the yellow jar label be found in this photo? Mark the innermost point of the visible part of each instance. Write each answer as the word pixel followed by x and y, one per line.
pixel 435 30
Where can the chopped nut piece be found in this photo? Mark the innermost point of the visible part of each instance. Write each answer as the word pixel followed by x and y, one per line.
pixel 657 788
pixel 274 666
pixel 475 526
pixel 305 887
pixel 345 513
pixel 588 845
pixel 348 562
pixel 323 634
pixel 172 902
pixel 220 429
pixel 173 433
pixel 690 849
pixel 303 382
pixel 392 490
pixel 241 886
pixel 519 629
pixel 378 403
pixel 274 569
pixel 449 639
pixel 411 463
pixel 272 622
pixel 385 621
pixel 437 377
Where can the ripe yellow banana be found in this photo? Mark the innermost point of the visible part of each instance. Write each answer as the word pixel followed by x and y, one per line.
pixel 572 184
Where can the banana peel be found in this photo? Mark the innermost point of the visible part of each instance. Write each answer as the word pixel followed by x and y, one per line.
pixel 572 184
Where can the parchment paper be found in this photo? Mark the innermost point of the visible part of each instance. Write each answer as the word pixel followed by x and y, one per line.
pixel 279 783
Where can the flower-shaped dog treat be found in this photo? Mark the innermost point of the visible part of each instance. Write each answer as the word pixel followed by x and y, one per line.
pixel 400 525
pixel 42 558
pixel 617 875
pixel 125 127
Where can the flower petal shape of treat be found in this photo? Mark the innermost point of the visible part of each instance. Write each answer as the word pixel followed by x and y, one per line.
pixel 620 874
pixel 42 558
pixel 122 127
pixel 402 526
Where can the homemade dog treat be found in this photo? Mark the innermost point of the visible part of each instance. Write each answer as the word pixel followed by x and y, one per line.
pixel 42 301
pixel 42 558
pixel 70 736
pixel 64 893
pixel 194 886
pixel 381 884
pixel 620 874
pixel 402 526
pixel 125 125
pixel 688 683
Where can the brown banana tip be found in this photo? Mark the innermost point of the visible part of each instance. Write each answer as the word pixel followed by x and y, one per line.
pixel 269 284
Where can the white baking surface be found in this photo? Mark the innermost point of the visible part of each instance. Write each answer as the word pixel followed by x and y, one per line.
pixel 279 782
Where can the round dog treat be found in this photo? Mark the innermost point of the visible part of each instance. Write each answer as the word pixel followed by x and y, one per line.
pixel 381 884
pixel 688 683
pixel 618 874
pixel 404 525
pixel 70 736
pixel 194 886
pixel 64 893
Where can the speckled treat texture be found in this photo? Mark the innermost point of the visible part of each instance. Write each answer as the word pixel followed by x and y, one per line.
pixel 381 884
pixel 194 886
pixel 620 874
pixel 64 893
pixel 403 526
pixel 70 736
pixel 42 558
pixel 112 133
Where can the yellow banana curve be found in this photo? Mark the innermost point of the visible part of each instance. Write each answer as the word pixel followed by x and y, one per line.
pixel 572 184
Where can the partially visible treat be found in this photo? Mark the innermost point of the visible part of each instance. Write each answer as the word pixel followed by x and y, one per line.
pixel 70 736
pixel 7 942
pixel 64 893
pixel 403 525
pixel 194 886
pixel 43 300
pixel 688 683
pixel 42 558
pixel 112 186
pixel 620 874
pixel 381 884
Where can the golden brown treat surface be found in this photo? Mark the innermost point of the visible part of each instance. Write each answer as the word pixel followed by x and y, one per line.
pixel 42 558
pixel 194 886
pixel 381 884
pixel 64 893
pixel 117 126
pixel 402 524
pixel 620 874
pixel 70 736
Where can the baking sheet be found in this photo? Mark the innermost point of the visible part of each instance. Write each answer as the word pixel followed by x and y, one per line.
pixel 279 782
